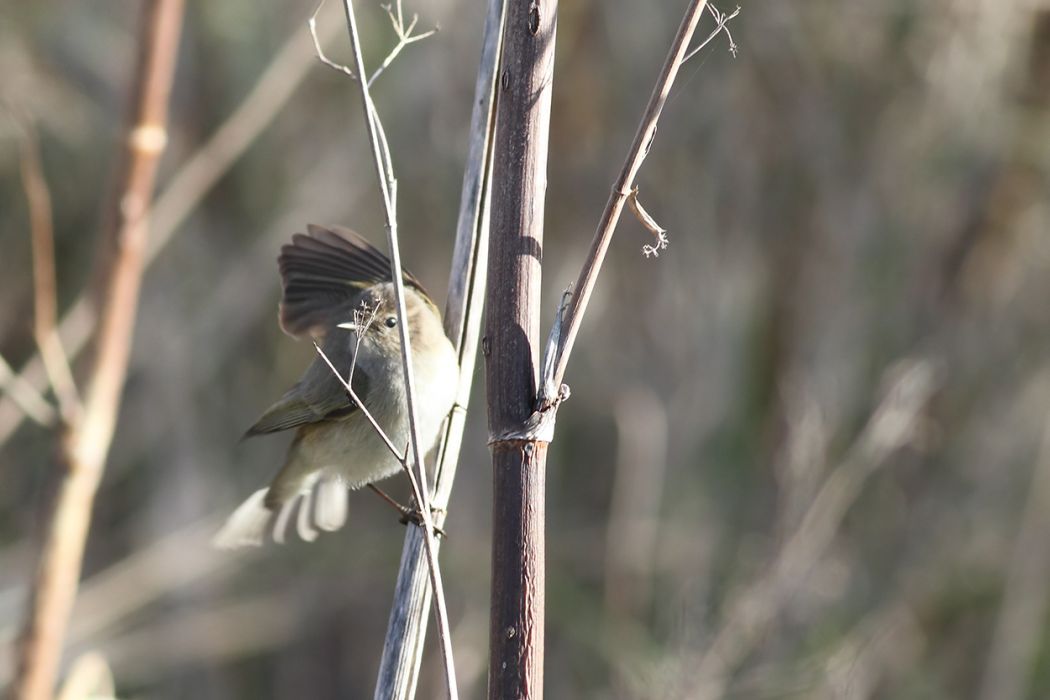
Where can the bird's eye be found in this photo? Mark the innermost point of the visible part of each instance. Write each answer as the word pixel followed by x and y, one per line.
pixel 391 321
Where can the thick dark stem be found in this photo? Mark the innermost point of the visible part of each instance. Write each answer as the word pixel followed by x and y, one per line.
pixel 512 350
pixel 516 633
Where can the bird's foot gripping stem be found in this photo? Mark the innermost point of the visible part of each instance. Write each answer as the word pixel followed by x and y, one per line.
pixel 409 514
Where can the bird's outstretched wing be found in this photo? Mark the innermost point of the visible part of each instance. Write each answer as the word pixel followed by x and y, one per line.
pixel 322 273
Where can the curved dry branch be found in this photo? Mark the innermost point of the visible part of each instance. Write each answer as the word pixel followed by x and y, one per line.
pixel 85 443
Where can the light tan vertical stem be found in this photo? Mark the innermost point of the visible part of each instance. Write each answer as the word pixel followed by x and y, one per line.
pixel 86 442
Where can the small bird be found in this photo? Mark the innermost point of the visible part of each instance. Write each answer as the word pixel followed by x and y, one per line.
pixel 337 289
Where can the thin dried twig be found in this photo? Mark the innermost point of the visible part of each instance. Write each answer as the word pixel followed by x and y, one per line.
pixel 85 444
pixel 646 220
pixel 398 454
pixel 312 23
pixel 721 25
pixel 404 38
pixel 1018 630
pixel 25 396
pixel 406 630
pixel 364 317
pixel 45 294
pixel 892 425
pixel 621 192
pixel 388 189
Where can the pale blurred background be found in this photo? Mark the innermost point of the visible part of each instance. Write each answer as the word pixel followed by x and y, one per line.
pixel 804 455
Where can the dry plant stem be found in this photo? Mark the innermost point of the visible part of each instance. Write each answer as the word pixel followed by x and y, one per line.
pixel 632 533
pixel 89 677
pixel 511 349
pixel 182 195
pixel 388 188
pixel 892 425
pixel 624 184
pixel 45 293
pixel 25 396
pixel 1015 644
pixel 881 645
pixel 406 630
pixel 86 443
pixel 200 173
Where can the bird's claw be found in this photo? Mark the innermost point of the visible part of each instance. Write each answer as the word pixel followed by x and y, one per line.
pixel 412 515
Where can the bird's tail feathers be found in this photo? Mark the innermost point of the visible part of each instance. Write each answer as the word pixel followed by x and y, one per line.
pixel 319 504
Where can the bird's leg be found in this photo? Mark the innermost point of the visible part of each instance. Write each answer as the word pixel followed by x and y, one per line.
pixel 408 515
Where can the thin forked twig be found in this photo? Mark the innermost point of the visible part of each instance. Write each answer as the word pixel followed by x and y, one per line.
pixel 404 38
pixel 364 317
pixel 721 25
pixel 45 294
pixel 660 233
pixel 312 23
pixel 621 192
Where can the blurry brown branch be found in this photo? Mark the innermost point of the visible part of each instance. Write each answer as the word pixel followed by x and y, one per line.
pixel 885 642
pixel 406 630
pixel 632 533
pixel 892 425
pixel 1019 628
pixel 25 397
pixel 190 184
pixel 220 632
pixel 200 173
pixel 622 190
pixel 85 443
pixel 45 292
pixel 511 349
pixel 109 600
pixel 90 678
pixel 388 189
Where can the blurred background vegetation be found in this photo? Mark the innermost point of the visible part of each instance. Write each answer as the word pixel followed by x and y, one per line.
pixel 807 450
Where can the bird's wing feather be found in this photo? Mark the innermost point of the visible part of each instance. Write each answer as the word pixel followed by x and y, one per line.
pixel 322 273
pixel 317 397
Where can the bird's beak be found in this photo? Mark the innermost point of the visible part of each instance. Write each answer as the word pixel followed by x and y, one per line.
pixel 348 326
